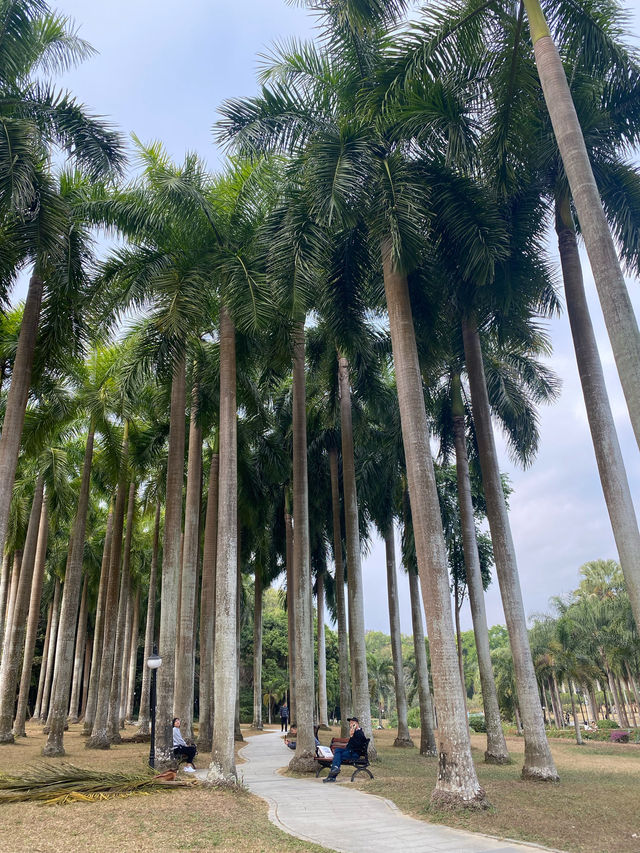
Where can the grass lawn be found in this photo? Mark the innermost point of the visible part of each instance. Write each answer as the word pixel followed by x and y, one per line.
pixel 594 809
pixel 195 819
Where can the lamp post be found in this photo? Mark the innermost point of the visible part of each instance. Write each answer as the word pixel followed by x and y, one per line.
pixel 153 662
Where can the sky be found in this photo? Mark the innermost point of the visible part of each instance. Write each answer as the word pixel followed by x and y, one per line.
pixel 161 71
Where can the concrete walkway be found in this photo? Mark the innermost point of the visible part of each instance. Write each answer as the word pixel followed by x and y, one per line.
pixel 343 818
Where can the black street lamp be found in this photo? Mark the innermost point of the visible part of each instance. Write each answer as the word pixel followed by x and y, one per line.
pixel 153 662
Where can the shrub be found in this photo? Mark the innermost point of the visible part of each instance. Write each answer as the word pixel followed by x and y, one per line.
pixel 607 724
pixel 413 718
pixel 619 737
pixel 477 723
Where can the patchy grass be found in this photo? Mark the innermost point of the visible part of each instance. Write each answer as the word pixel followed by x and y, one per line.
pixel 594 809
pixel 195 819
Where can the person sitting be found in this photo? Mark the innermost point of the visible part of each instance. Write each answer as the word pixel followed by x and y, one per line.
pixel 293 731
pixel 182 748
pixel 356 746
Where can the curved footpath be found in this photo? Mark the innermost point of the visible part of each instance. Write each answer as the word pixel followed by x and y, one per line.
pixel 343 818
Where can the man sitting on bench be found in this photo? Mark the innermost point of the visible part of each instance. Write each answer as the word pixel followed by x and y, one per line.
pixel 356 746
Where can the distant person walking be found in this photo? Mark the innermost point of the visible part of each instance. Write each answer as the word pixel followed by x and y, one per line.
pixel 284 716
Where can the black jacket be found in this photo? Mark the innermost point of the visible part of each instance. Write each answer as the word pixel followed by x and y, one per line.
pixel 358 742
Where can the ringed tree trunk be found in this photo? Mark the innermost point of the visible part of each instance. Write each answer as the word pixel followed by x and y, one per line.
pixel 115 694
pixel 613 475
pixel 291 608
pixel 355 591
pixel 133 658
pixel 32 624
pixel 617 309
pixel 496 752
pixel 343 640
pixel 323 717
pixel 144 710
pixel 185 670
pixel 99 738
pixel 51 653
pixel 43 663
pixel 5 575
pixel 126 651
pixel 13 588
pixel 304 757
pixel 208 610
pixel 223 767
pixel 576 721
pixel 171 553
pixel 85 675
pixel 237 731
pixel 538 761
pixel 403 738
pixel 98 631
pixel 257 650
pixel 15 630
pixel 17 400
pixel 78 657
pixel 69 611
pixel 428 745
pixel 457 783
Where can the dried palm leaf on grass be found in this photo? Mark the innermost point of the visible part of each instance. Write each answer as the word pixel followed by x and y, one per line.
pixel 65 783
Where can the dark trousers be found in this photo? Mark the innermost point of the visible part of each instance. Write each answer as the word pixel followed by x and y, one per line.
pixel 284 724
pixel 342 754
pixel 187 751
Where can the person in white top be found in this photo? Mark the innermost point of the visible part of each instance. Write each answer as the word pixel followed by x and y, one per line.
pixel 181 747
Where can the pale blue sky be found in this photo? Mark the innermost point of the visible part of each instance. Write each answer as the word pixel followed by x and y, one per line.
pixel 162 70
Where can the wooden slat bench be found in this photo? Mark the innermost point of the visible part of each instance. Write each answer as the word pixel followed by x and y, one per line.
pixel 361 764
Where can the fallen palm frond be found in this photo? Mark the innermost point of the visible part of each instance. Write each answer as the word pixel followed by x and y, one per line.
pixel 64 783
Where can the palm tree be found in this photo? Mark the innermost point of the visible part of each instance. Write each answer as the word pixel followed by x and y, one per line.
pixel 93 394
pixel 352 164
pixel 34 119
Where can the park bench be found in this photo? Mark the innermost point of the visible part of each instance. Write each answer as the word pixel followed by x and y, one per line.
pixel 360 765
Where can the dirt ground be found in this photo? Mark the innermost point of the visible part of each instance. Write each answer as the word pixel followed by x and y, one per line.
pixel 194 819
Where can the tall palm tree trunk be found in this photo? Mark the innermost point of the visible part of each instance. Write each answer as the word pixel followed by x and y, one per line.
pixel 43 663
pixel 496 752
pixel 171 554
pixel 617 309
pixel 5 575
pixel 115 693
pixel 428 745
pixel 257 650
pixel 225 657
pixel 126 651
pixel 323 717
pixel 51 654
pixel 403 738
pixel 144 710
pixel 98 631
pixel 78 657
pixel 15 632
pixel 69 610
pixel 17 400
pixel 291 608
pixel 86 673
pixel 185 673
pixel 613 475
pixel 355 591
pixel 538 761
pixel 208 610
pixel 13 588
pixel 133 658
pixel 237 731
pixel 343 639
pixel 32 624
pixel 99 738
pixel 304 757
pixel 457 781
